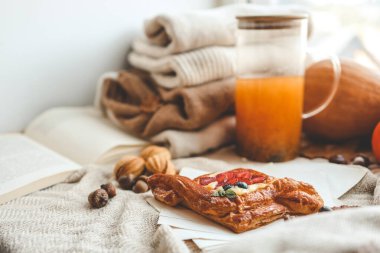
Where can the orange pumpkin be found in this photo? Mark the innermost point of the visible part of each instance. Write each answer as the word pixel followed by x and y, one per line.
pixel 376 142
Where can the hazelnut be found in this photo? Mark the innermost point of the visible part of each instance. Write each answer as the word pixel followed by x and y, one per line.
pixel 98 198
pixel 143 178
pixel 126 182
pixel 338 159
pixel 110 189
pixel 140 187
pixel 129 165
pixel 155 150
pixel 361 160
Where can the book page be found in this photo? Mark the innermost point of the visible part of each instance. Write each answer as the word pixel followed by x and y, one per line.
pixel 81 134
pixel 23 162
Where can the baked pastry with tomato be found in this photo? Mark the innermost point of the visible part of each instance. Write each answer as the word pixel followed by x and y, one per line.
pixel 240 199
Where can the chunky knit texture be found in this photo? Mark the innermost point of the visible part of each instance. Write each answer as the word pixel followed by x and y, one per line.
pixel 59 219
pixel 188 69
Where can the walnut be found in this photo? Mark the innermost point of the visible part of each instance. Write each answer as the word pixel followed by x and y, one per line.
pixel 159 164
pixel 133 165
pixel 158 160
pixel 128 170
pixel 155 150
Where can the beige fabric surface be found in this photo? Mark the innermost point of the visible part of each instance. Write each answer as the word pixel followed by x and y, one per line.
pixel 140 107
pixel 184 144
pixel 188 69
pixel 349 230
pixel 59 219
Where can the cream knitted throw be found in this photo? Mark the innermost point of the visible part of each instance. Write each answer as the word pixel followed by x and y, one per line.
pixel 180 32
pixel 59 219
pixel 187 69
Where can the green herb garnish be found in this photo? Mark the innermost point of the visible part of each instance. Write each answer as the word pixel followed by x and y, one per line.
pixel 230 194
pixel 222 193
pixel 215 194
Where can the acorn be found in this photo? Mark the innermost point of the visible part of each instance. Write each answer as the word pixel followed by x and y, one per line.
pixel 140 187
pixel 127 181
pixel 98 198
pixel 110 189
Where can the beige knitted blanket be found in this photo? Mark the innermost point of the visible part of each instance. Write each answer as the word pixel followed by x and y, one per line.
pixel 191 68
pixel 173 33
pixel 59 219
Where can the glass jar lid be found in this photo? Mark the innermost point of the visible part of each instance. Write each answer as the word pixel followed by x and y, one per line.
pixel 279 21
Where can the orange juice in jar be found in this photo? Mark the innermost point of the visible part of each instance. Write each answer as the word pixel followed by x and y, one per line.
pixel 268 112
pixel 270 86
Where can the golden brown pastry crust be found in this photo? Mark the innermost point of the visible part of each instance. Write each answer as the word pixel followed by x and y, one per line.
pixel 244 212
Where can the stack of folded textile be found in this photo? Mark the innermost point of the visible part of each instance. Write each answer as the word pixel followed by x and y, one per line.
pixel 189 121
pixel 180 91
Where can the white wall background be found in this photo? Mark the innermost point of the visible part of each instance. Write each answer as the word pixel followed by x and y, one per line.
pixel 53 51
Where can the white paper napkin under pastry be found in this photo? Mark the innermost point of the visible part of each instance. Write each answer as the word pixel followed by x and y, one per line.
pixel 330 180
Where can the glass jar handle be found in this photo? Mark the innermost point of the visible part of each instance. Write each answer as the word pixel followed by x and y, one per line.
pixel 337 73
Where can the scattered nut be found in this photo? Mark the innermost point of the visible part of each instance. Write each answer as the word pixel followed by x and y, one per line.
pixel 158 160
pixel 140 187
pixel 110 189
pixel 143 178
pixel 126 182
pixel 98 198
pixel 129 165
pixel 132 171
pixel 155 150
pixel 160 164
pixel 361 160
pixel 338 159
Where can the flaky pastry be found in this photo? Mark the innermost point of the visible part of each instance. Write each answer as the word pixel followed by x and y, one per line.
pixel 239 199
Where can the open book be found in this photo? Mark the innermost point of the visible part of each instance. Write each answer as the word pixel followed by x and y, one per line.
pixel 55 144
